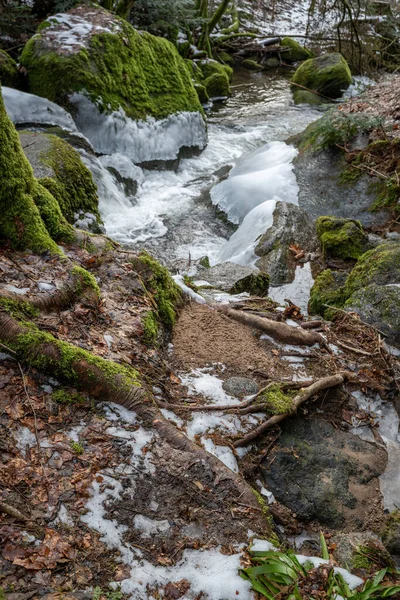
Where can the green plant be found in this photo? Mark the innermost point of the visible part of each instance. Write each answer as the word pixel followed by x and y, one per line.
pixel 76 447
pixel 98 592
pixel 279 575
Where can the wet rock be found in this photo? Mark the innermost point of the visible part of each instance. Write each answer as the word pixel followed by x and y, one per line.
pixel 349 548
pixel 391 537
pixel 272 63
pixel 327 291
pixel 329 475
pixel 251 65
pixel 128 175
pixel 295 52
pixel 328 75
pixel 240 386
pixel 256 284
pixel 379 305
pixel 342 238
pixel 291 225
pixel 225 275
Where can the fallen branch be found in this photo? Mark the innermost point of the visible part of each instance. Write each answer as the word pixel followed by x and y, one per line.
pixel 303 87
pixel 303 396
pixel 13 512
pixel 276 329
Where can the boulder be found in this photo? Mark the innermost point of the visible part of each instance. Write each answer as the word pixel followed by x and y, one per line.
pixel 342 238
pixel 240 386
pixel 391 536
pixel 251 65
pixel 9 75
pixel 225 275
pixel 59 168
pixel 328 75
pixel 380 266
pixel 217 86
pixel 291 226
pixel 327 291
pixel 211 67
pixel 329 475
pixel 356 550
pixel 295 52
pixel 272 63
pixel 112 77
pixel 226 58
pixel 256 284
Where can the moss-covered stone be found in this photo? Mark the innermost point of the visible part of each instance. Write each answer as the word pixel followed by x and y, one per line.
pixel 251 65
pixel 20 220
pixel 113 64
pixel 217 86
pixel 380 266
pixel 226 58
pixel 328 75
pixel 275 401
pixel 256 284
pixel 306 97
pixel 162 288
pixel 9 75
pixel 341 238
pixel 296 52
pixel 212 67
pixel 202 93
pixel 327 290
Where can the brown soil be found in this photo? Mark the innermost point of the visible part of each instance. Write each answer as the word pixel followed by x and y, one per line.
pixel 203 336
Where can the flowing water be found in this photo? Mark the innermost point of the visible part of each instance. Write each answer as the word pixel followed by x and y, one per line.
pixel 172 214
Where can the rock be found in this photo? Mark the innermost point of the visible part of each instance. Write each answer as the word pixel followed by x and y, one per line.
pixel 226 58
pixel 225 275
pixel 329 475
pixel 251 65
pixel 217 86
pixel 272 63
pixel 59 168
pixel 327 290
pixel 380 266
pixel 379 305
pixel 391 536
pixel 111 76
pixel 240 386
pixel 256 284
pixel 306 97
pixel 351 549
pixel 125 172
pixel 9 74
pixel 342 238
pixel 202 93
pixel 295 52
pixel 212 67
pixel 328 75
pixel 291 225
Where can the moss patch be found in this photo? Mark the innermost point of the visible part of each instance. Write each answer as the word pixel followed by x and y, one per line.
pixel 63 397
pixel 134 70
pixel 9 75
pixel 295 52
pixel 251 65
pixel 327 290
pixel 275 401
pixel 212 67
pixel 150 328
pixel 380 265
pixel 255 283
pixel 217 86
pixel 341 238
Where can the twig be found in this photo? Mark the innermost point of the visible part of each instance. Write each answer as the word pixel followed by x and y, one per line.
pixel 7 348
pixel 13 512
pixel 303 87
pixel 303 396
pixel 352 349
pixel 34 419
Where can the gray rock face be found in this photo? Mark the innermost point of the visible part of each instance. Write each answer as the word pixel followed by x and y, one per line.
pixel 240 386
pixel 321 193
pixel 225 275
pixel 323 473
pixel 379 305
pixel 35 146
pixel 291 225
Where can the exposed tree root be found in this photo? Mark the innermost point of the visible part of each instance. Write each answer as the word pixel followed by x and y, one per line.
pixel 81 284
pixel 303 396
pixel 108 381
pixel 281 331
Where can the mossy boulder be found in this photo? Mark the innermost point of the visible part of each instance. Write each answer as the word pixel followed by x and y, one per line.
pixel 217 86
pixel 391 535
pixel 251 65
pixel 90 51
pixel 327 291
pixel 211 67
pixel 328 75
pixel 226 58
pixel 202 93
pixel 256 284
pixel 295 52
pixel 380 266
pixel 26 207
pixel 9 74
pixel 341 238
pixel 59 169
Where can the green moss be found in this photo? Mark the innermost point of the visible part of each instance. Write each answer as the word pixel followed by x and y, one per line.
pixel 73 186
pixel 295 51
pixel 251 65
pixel 150 328
pixel 20 220
pixel 272 536
pixel 50 211
pixel 371 557
pixel 205 262
pixel 134 70
pixel 327 290
pixel 328 74
pixel 63 397
pixel 217 86
pixel 226 58
pixel 9 75
pixel 88 280
pixel 19 310
pixel 341 238
pixel 162 287
pixel 380 265
pixel 275 400
pixel 255 283
pixel 76 447
pixel 202 93
pixel 66 361
pixel 212 67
